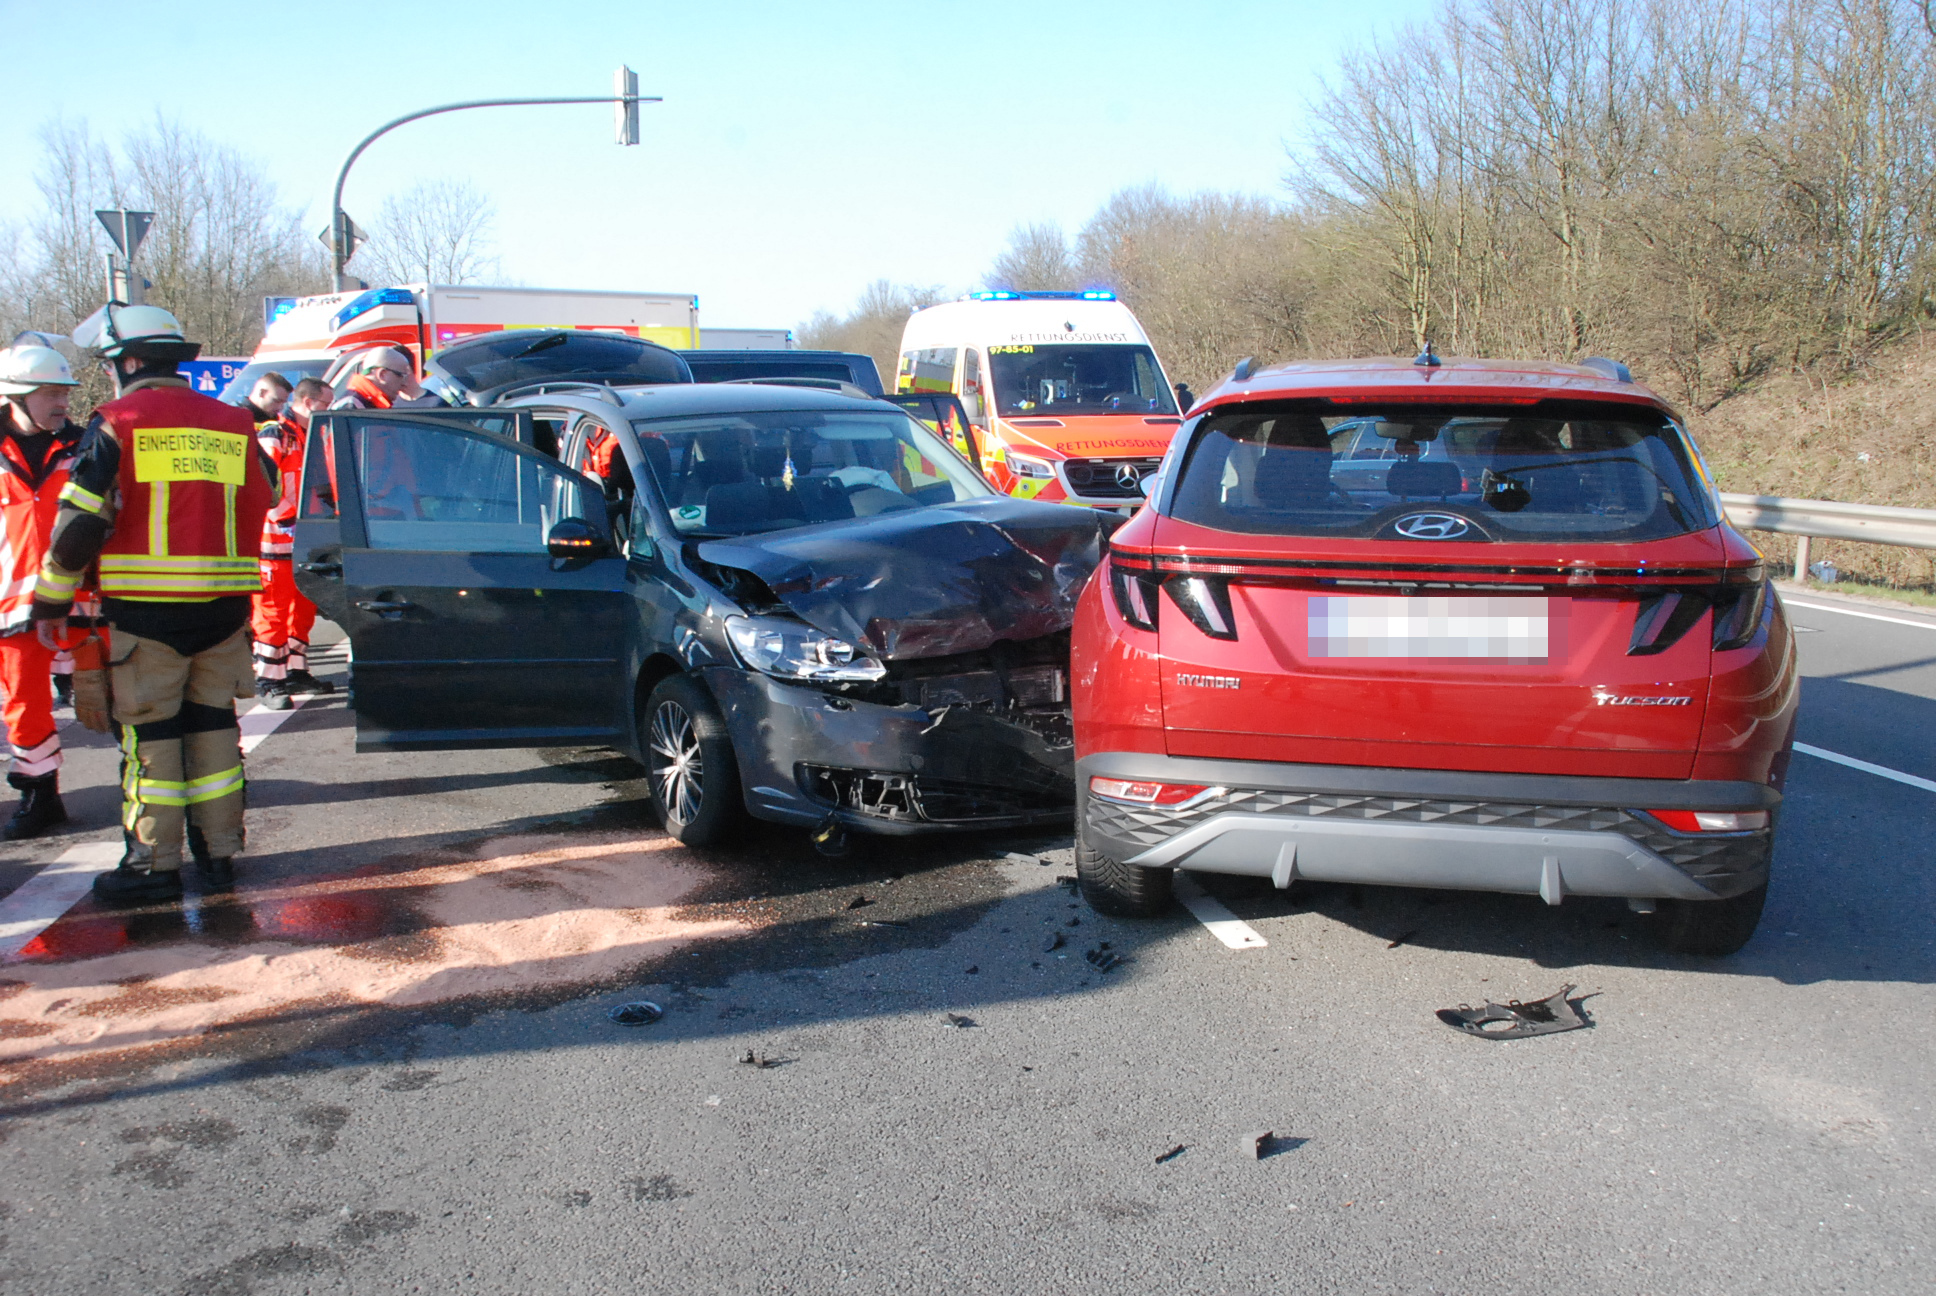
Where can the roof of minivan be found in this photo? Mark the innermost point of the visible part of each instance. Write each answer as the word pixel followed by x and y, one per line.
pixel 1456 377
pixel 1024 322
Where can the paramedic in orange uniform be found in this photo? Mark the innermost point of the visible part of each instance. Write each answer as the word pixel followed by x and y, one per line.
pixel 283 616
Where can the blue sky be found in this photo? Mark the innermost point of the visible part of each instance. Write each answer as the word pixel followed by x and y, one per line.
pixel 803 149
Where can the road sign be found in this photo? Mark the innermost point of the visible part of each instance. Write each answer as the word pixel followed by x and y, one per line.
pixel 274 308
pixel 210 375
pixel 625 105
pixel 126 228
pixel 356 237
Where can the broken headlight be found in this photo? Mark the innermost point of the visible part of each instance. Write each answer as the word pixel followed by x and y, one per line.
pixel 795 650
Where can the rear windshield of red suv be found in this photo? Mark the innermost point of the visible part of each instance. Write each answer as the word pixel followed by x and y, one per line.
pixel 1572 470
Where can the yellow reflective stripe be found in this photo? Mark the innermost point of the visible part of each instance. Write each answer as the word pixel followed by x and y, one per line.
pixel 228 520
pixel 156 793
pixel 186 585
pixel 212 787
pixel 158 517
pixel 85 500
pixel 55 584
pixel 172 563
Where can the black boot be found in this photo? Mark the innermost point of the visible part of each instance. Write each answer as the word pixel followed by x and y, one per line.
pixel 273 694
pixel 64 689
pixel 218 874
pixel 125 885
pixel 40 807
pixel 301 681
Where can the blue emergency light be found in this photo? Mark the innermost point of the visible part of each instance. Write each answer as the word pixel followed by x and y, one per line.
pixel 1002 294
pixel 369 301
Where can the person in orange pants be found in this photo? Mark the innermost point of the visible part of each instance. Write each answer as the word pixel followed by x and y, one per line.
pixel 37 449
pixel 282 616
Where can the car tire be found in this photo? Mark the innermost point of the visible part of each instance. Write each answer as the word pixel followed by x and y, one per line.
pixel 1711 927
pixel 689 762
pixel 1122 890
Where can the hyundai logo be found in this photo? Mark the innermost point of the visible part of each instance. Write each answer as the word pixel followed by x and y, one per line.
pixel 1432 526
pixel 1129 476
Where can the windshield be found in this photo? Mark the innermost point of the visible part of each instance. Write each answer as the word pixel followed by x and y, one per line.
pixel 1109 379
pixel 499 360
pixel 294 370
pixel 734 474
pixel 1560 470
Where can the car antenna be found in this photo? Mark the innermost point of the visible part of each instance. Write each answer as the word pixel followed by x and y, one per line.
pixel 1428 358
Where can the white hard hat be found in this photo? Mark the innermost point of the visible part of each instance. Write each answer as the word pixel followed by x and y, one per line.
pixel 147 332
pixel 26 368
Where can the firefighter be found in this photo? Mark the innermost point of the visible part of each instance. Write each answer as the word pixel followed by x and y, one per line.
pixel 168 494
pixel 283 616
pixel 36 452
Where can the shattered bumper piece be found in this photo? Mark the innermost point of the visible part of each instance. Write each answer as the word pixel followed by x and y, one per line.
pixel 642 1013
pixel 1516 1020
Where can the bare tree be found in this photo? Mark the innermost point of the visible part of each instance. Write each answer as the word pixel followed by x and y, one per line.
pixel 873 327
pixel 437 231
pixel 1037 259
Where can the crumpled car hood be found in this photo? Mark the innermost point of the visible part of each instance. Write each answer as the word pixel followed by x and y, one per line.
pixel 933 581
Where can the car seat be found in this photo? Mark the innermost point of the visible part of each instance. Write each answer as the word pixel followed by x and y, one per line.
pixel 1419 478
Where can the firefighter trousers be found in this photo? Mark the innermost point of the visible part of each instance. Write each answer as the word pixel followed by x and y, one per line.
pixel 26 674
pixel 181 753
pixel 281 622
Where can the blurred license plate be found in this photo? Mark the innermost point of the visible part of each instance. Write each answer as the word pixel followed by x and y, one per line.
pixel 1471 627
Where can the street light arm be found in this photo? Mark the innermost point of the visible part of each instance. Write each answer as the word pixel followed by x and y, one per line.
pixel 337 239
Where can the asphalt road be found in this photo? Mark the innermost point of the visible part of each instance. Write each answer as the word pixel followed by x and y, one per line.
pixel 386 1064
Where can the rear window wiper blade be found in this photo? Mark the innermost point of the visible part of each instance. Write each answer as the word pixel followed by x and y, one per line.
pixel 542 344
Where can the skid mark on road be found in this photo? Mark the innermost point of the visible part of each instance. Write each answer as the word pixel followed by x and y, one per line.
pixel 1219 921
pixel 530 912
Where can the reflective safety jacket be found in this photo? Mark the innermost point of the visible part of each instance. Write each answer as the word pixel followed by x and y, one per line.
pixel 29 499
pixel 178 476
pixel 283 441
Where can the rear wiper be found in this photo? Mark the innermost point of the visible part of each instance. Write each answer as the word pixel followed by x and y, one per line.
pixel 542 344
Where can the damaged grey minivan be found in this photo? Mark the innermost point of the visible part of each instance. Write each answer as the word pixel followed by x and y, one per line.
pixel 788 604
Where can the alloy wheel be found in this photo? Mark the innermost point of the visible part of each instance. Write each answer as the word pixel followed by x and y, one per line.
pixel 678 766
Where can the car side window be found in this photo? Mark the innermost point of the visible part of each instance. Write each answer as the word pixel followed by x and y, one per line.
pixel 448 490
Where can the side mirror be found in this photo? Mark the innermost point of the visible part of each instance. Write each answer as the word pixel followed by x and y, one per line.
pixel 575 538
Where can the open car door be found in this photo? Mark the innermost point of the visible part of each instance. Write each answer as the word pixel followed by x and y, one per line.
pixel 947 418
pixel 431 542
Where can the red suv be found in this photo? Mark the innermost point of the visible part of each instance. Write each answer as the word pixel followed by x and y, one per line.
pixel 1464 623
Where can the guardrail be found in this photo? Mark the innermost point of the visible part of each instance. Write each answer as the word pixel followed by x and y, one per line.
pixel 1831 520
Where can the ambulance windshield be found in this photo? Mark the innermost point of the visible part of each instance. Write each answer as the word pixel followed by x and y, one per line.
pixel 1092 379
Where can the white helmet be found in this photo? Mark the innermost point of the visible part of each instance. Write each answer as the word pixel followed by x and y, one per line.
pixel 24 369
pixel 145 332
pixel 385 358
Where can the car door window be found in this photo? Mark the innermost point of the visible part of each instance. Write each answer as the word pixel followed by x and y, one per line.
pixel 445 489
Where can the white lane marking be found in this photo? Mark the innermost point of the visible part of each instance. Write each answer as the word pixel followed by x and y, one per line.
pixel 1866 616
pixel 36 903
pixel 258 722
pixel 1221 923
pixel 1880 771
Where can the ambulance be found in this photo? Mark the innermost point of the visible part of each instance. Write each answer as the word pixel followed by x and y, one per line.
pixel 308 335
pixel 1063 388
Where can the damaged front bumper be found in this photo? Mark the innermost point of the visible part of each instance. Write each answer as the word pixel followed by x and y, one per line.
pixel 1544 835
pixel 808 754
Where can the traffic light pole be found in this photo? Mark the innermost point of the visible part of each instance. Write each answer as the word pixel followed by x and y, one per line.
pixel 339 238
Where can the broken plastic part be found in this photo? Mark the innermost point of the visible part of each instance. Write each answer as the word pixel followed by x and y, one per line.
pixel 829 837
pixel 642 1013
pixel 1516 1020
pixel 960 1021
pixel 1055 941
pixel 1102 960
pixel 760 1060
pixel 1172 1154
pixel 1256 1144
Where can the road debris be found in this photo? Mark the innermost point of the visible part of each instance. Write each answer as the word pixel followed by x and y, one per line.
pixel 1020 857
pixel 876 922
pixel 1172 1154
pixel 1257 1144
pixel 1516 1020
pixel 1073 922
pixel 1102 959
pixel 642 1013
pixel 960 1021
pixel 1066 880
pixel 1055 941
pixel 760 1060
pixel 974 969
pixel 859 902
pixel 1401 938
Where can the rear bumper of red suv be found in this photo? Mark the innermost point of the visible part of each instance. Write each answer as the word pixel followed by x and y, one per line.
pixel 1537 834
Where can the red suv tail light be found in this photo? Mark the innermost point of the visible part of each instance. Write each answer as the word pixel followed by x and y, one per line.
pixel 1206 601
pixel 1134 587
pixel 1738 605
pixel 1707 821
pixel 1168 795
